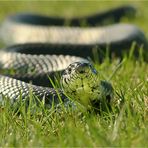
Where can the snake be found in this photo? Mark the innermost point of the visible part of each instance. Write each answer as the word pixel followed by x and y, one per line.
pixel 41 48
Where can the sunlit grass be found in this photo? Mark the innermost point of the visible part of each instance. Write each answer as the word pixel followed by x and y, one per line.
pixel 126 125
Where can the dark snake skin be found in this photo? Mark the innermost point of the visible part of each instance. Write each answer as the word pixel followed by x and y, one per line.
pixel 18 61
pixel 114 15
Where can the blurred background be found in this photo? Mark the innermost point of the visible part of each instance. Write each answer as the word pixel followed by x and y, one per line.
pixel 74 8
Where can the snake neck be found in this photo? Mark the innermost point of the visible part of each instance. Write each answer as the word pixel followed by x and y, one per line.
pixel 83 90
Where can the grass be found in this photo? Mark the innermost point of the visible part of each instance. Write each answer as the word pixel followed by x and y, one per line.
pixel 126 125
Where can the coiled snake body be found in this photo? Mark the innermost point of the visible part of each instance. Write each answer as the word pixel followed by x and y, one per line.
pixel 41 35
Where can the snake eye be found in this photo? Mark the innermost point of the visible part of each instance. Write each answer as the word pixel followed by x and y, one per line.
pixel 69 70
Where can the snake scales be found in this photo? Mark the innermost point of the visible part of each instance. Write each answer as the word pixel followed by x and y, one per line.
pixel 42 36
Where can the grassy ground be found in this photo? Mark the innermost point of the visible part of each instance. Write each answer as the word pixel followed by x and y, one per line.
pixel 125 126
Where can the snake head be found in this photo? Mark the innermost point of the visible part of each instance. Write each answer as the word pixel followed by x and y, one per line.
pixel 81 82
pixel 78 68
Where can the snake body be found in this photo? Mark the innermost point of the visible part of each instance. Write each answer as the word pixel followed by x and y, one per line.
pixel 34 68
pixel 114 14
pixel 40 37
pixel 15 90
pixel 72 40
